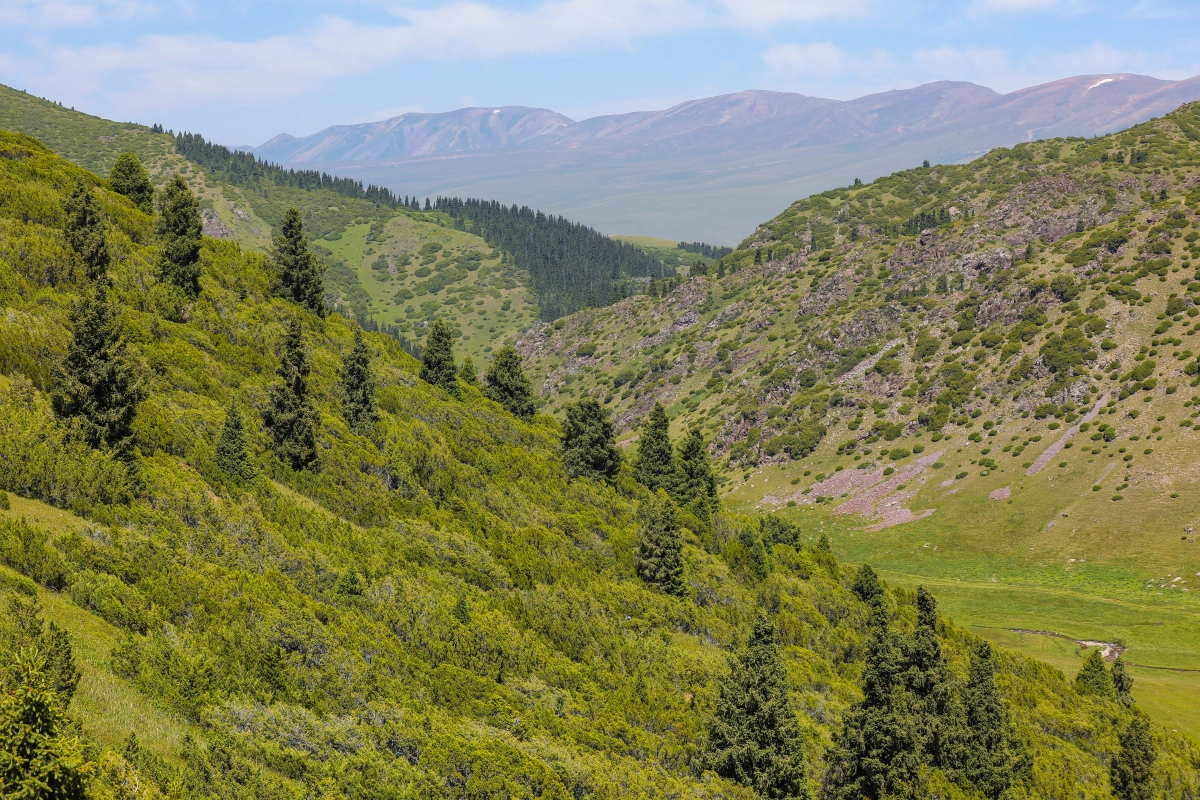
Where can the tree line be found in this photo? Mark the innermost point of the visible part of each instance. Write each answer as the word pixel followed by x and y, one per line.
pixel 244 168
pixel 570 265
pixel 707 250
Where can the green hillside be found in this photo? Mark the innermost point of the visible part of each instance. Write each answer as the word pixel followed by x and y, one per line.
pixel 887 358
pixel 357 232
pixel 429 608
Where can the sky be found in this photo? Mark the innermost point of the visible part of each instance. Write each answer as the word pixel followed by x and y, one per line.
pixel 242 72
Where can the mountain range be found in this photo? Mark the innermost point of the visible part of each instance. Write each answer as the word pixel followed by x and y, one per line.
pixel 710 169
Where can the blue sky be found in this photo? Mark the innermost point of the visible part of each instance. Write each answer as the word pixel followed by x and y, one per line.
pixel 242 72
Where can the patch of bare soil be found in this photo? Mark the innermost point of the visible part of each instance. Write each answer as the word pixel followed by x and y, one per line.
pixel 1003 493
pixel 1057 447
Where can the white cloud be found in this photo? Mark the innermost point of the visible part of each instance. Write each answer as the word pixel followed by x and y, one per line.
pixel 72 13
pixel 170 71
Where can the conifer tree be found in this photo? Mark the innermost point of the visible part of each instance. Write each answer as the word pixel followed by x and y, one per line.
pixel 654 465
pixel 96 381
pixel 297 269
pixel 866 585
pixel 462 612
pixel 1093 677
pixel 588 442
pixel 85 231
pixel 1132 767
pixel 437 358
pixel 233 456
pixel 937 714
pixel 878 751
pixel 995 757
pixel 128 177
pixel 358 387
pixel 508 385
pixel 466 372
pixel 1122 682
pixel 660 545
pixel 754 737
pixel 695 483
pixel 38 757
pixel 180 229
pixel 291 417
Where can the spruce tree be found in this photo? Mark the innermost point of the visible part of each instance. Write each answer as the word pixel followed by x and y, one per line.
pixel 660 545
pixel 297 269
pixel 39 758
pixel 233 456
pixel 1093 677
pixel 588 442
pixel 866 585
pixel 96 382
pixel 358 387
pixel 466 372
pixel 937 714
pixel 754 737
pixel 180 229
pixel 695 483
pixel 995 757
pixel 878 753
pixel 1122 682
pixel 128 177
pixel 1132 767
pixel 508 385
pixel 654 465
pixel 85 231
pixel 437 358
pixel 291 417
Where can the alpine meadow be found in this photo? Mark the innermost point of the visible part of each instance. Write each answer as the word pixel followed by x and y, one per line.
pixel 315 489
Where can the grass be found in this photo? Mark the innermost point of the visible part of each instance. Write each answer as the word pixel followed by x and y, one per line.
pixel 109 706
pixel 490 302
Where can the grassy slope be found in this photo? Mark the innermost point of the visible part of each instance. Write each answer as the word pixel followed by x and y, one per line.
pixel 110 704
pixel 830 306
pixel 567 676
pixel 489 301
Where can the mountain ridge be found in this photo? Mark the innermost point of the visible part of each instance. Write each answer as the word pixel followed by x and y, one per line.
pixel 711 169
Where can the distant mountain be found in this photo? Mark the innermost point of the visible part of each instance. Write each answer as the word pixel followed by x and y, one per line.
pixel 710 169
pixel 416 135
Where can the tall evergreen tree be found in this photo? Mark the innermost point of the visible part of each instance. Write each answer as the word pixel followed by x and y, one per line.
pixel 128 177
pixel 937 714
pixel 180 228
pixel 660 545
pixel 508 385
pixel 85 231
pixel 298 271
pixel 1093 677
pixel 754 737
pixel 437 358
pixel 654 465
pixel 39 758
pixel 358 387
pixel 588 442
pixel 878 751
pixel 996 757
pixel 695 483
pixel 866 584
pixel 1122 682
pixel 466 372
pixel 96 382
pixel 290 416
pixel 1132 767
pixel 233 456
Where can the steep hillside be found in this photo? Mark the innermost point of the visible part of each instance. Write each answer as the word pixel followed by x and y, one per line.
pixel 1018 328
pixel 429 608
pixel 371 240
